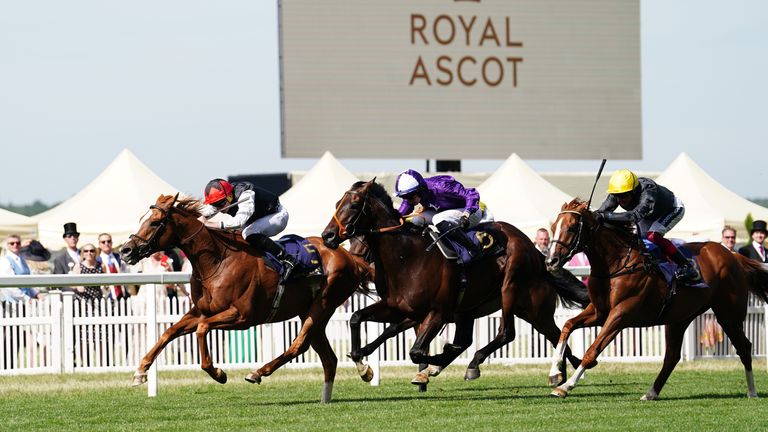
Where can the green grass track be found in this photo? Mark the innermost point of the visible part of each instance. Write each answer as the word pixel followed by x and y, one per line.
pixel 700 396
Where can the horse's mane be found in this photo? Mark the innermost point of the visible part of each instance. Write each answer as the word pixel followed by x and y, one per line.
pixel 190 205
pixel 379 192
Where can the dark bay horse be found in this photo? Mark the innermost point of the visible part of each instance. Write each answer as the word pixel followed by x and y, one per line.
pixel 233 288
pixel 628 290
pixel 420 287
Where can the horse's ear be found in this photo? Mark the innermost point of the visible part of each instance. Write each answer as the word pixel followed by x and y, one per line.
pixel 175 198
pixel 373 180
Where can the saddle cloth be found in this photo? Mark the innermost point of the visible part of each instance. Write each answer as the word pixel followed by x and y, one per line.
pixel 668 269
pixel 490 241
pixel 307 257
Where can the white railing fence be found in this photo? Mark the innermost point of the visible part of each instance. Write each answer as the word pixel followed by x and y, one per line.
pixel 60 334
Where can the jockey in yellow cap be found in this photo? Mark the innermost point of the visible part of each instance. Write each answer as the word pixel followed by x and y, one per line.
pixel 655 210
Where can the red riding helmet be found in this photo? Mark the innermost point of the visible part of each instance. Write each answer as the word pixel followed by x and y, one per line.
pixel 217 190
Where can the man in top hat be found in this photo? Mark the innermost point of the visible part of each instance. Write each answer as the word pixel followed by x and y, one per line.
pixel 67 260
pixel 755 250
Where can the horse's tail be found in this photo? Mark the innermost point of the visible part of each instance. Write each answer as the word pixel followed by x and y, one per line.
pixel 757 275
pixel 569 288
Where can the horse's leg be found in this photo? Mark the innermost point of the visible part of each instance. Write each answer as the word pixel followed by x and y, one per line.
pixel 614 323
pixel 506 332
pixel 587 318
pixel 186 325
pixel 317 319
pixel 544 323
pixel 220 320
pixel 428 329
pixel 380 312
pixel 734 328
pixel 389 332
pixel 462 339
pixel 323 349
pixel 674 335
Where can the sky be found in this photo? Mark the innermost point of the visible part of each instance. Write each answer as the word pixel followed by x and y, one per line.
pixel 192 89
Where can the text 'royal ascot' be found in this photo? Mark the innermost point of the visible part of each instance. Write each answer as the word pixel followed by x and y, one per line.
pixel 467 70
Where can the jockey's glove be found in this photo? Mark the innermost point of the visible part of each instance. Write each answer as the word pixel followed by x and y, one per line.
pixel 464 222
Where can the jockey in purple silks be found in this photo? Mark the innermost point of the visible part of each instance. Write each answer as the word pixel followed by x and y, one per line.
pixel 446 203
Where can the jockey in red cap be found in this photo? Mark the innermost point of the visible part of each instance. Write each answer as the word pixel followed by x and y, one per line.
pixel 255 211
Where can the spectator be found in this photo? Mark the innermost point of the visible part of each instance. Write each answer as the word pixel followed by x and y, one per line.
pixel 112 264
pixel 542 240
pixel 89 265
pixel 70 258
pixel 729 238
pixel 37 257
pixel 14 264
pixel 755 250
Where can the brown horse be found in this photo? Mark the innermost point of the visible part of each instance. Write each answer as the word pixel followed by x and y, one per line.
pixel 628 290
pixel 233 288
pixel 419 286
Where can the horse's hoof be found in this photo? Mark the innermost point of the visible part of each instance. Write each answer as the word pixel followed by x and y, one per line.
pixel 752 395
pixel 471 374
pixel 139 379
pixel 220 376
pixel 649 397
pixel 367 376
pixel 434 371
pixel 556 379
pixel 558 392
pixel 420 378
pixel 253 378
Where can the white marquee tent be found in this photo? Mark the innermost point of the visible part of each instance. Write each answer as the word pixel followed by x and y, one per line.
pixel 14 223
pixel 708 204
pixel 113 202
pixel 310 202
pixel 516 194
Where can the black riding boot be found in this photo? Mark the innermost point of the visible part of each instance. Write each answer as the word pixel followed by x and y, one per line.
pixel 686 272
pixel 453 232
pixel 266 244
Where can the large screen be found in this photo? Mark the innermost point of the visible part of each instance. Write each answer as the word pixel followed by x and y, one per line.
pixel 461 79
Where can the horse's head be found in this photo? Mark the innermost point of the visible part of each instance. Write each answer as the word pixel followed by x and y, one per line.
pixel 153 234
pixel 570 231
pixel 359 212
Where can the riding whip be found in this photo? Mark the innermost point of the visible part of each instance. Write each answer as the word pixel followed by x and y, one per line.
pixel 600 171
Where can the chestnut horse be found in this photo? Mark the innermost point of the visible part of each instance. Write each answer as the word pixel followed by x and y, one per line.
pixel 419 286
pixel 233 288
pixel 628 290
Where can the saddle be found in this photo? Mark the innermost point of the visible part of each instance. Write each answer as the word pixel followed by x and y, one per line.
pixel 491 242
pixel 305 254
pixel 668 268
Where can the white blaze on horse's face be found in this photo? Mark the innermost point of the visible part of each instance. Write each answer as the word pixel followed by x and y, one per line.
pixel 555 236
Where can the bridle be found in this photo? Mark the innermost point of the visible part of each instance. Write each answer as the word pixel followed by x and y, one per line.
pixel 350 229
pixel 148 245
pixel 575 245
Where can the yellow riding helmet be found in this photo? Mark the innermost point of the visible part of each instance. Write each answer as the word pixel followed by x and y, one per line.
pixel 622 181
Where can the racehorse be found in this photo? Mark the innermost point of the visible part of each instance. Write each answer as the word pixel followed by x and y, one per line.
pixel 418 286
pixel 628 290
pixel 233 288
